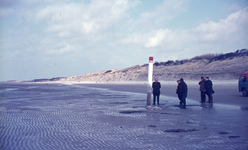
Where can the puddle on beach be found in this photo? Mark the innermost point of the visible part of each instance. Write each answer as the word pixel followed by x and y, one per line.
pixel 181 130
pixel 131 112
pixel 118 102
pixel 244 108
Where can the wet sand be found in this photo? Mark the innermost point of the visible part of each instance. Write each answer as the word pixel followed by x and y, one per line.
pixel 224 94
pixel 60 116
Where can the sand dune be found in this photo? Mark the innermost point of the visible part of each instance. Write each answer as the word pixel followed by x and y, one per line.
pixel 218 67
pixel 217 70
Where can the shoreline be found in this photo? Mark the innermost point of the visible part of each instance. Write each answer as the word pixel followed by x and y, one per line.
pixel 169 82
pixel 225 91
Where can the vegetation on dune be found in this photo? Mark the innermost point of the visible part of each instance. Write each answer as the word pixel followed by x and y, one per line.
pixel 209 57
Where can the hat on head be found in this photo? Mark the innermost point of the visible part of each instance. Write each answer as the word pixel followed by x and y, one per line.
pixel 181 79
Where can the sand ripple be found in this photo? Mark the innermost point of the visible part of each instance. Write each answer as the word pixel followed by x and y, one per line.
pixel 61 117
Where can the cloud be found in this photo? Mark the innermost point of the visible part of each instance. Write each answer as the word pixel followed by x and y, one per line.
pixel 6 12
pixel 156 39
pixel 159 16
pixel 99 35
pixel 224 30
pixel 83 25
pixel 82 19
pixel 210 37
pixel 221 31
pixel 64 48
pixel 232 8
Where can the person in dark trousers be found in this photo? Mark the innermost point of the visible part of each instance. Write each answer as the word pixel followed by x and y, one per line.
pixel 182 91
pixel 209 89
pixel 156 91
pixel 202 90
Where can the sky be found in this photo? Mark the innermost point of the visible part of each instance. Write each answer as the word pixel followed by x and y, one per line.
pixel 47 39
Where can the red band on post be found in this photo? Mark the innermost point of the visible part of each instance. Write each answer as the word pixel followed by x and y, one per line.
pixel 150 59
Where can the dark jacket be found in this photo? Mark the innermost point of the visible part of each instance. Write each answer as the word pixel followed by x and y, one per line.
pixel 156 87
pixel 182 90
pixel 202 85
pixel 178 91
pixel 209 87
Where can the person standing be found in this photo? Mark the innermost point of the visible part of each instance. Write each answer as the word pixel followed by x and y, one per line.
pixel 178 91
pixel 156 91
pixel 182 92
pixel 202 90
pixel 209 89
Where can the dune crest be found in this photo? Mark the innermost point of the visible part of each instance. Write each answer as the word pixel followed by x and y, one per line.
pixel 217 66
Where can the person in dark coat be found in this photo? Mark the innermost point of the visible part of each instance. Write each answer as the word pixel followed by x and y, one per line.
pixel 182 91
pixel 177 91
pixel 202 90
pixel 156 91
pixel 209 89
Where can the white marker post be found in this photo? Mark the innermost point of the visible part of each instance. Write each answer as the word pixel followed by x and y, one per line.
pixel 149 85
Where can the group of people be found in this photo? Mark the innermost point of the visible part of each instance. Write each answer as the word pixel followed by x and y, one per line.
pixel 206 88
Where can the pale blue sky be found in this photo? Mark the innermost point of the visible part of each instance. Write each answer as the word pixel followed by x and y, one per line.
pixel 46 39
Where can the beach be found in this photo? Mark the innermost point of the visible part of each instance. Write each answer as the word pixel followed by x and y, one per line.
pixel 225 91
pixel 115 116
